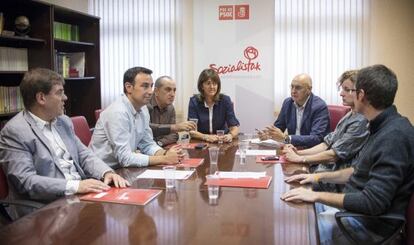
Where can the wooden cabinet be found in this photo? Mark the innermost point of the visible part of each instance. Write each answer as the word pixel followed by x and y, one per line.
pixel 83 92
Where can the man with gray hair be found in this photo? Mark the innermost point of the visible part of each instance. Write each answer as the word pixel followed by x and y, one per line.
pixel 162 113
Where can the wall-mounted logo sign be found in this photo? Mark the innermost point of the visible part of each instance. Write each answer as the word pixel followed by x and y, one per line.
pixel 241 12
pixel 226 12
pixel 250 53
pixel 237 12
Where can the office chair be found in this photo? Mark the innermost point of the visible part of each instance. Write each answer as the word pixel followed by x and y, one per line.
pixel 406 225
pixel 4 192
pixel 336 112
pixel 409 222
pixel 82 130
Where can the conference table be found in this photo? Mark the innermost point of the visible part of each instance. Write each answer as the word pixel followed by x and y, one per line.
pixel 182 215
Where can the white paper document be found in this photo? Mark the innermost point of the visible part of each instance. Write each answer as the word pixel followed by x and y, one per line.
pixel 159 174
pixel 258 152
pixel 237 175
pixel 269 142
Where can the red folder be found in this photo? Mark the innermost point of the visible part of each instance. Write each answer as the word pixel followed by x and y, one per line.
pixel 260 183
pixel 188 145
pixel 190 162
pixel 282 159
pixel 123 196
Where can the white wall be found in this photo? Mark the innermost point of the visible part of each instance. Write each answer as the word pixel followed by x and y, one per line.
pixel 185 86
pixel 223 43
pixel 392 43
pixel 79 5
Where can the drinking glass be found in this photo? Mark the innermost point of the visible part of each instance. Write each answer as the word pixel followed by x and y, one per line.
pixel 220 136
pixel 214 154
pixel 243 146
pixel 195 120
pixel 169 172
pixel 213 189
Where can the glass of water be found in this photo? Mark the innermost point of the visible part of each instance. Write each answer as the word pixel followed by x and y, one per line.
pixel 220 136
pixel 213 188
pixel 214 154
pixel 195 120
pixel 243 146
pixel 169 172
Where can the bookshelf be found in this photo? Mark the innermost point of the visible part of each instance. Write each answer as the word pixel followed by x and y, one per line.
pixel 84 91
pixel 14 41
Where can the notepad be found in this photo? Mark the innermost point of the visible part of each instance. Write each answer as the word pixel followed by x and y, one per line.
pixel 238 175
pixel 241 179
pixel 123 196
pixel 258 152
pixel 268 142
pixel 189 145
pixel 159 174
pixel 190 162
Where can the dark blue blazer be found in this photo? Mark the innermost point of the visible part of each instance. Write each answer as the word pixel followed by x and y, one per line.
pixel 315 121
pixel 223 114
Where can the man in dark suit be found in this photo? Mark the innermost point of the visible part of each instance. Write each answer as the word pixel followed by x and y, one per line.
pixel 39 151
pixel 304 115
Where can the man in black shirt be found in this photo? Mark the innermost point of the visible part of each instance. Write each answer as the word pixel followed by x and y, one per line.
pixel 382 179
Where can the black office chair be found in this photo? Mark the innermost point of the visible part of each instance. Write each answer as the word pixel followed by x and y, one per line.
pixel 4 192
pixel 406 225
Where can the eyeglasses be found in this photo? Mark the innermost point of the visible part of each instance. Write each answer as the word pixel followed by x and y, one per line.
pixel 347 90
pixel 296 87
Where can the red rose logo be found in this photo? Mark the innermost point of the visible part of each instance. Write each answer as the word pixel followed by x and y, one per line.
pixel 251 53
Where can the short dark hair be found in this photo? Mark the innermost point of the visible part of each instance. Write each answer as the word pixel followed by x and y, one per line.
pixel 205 75
pixel 131 73
pixel 380 85
pixel 38 80
pixel 351 75
pixel 158 82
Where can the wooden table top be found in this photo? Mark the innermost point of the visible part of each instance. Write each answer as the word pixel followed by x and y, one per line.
pixel 184 215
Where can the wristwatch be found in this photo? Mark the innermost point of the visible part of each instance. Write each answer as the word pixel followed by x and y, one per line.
pixel 159 143
pixel 287 139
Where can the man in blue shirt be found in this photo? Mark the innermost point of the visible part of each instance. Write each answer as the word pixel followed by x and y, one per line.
pixel 304 115
pixel 122 135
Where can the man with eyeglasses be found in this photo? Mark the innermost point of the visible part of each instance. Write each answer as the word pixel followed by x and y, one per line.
pixel 122 135
pixel 40 153
pixel 380 182
pixel 304 115
pixel 340 147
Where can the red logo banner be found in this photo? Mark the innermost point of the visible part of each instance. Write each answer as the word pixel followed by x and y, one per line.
pixel 226 12
pixel 250 53
pixel 241 12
